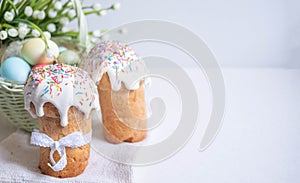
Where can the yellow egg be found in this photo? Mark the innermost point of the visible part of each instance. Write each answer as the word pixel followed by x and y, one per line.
pixel 33 49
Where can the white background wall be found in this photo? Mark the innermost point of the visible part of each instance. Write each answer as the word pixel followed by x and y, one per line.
pixel 250 33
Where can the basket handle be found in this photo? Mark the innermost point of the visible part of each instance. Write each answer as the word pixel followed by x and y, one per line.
pixel 82 25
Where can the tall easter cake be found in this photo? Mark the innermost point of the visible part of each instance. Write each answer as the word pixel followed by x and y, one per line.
pixel 62 97
pixel 120 78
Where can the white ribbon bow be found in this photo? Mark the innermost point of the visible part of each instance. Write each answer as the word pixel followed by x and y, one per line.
pixel 72 140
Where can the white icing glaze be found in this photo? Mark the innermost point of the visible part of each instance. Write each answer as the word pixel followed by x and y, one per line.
pixel 120 62
pixel 63 86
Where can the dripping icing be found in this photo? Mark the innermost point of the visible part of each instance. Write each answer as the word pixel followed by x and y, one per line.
pixel 63 86
pixel 121 64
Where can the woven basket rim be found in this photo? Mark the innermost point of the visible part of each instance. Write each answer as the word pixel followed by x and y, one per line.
pixel 11 85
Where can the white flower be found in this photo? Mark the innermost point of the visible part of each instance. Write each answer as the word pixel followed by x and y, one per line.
pixel 64 21
pixel 12 32
pixel 58 5
pixel 65 29
pixel 103 12
pixel 23 31
pixel 3 35
pixel 35 33
pixel 72 13
pixel 97 6
pixel 47 34
pixel 22 25
pixel 116 6
pixel 52 13
pixel 8 16
pixel 51 27
pixel 28 11
pixel 96 33
pixel 41 15
pixel 35 14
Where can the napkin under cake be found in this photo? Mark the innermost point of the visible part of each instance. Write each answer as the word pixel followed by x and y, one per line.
pixel 62 97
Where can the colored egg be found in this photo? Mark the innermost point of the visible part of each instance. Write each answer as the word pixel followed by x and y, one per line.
pixel 16 69
pixel 35 51
pixel 62 49
pixel 69 57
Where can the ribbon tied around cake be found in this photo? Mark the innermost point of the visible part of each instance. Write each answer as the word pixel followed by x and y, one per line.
pixel 72 140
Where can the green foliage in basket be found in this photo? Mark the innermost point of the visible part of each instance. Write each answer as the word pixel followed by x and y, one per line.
pixel 44 18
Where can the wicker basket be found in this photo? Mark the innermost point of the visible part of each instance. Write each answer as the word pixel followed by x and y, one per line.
pixel 12 105
pixel 12 94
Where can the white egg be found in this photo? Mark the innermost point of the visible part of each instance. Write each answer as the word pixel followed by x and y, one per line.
pixel 69 57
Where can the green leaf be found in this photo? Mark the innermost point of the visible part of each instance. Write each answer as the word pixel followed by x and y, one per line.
pixel 6 26
pixel 13 6
pixel 42 5
pixel 72 34
pixel 22 5
pixel 3 7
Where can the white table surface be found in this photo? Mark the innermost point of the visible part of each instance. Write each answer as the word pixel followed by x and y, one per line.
pixel 259 140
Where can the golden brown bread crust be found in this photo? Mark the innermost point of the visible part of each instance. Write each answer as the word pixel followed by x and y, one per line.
pixel 123 112
pixel 77 158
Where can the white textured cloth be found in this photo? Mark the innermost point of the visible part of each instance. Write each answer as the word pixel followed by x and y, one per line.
pixel 19 163
pixel 73 140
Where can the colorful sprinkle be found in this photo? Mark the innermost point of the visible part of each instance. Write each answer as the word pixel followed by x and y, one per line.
pixel 111 55
pixel 63 86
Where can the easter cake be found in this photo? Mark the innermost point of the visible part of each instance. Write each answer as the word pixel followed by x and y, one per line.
pixel 120 78
pixel 62 97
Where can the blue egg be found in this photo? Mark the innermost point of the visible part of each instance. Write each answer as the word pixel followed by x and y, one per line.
pixel 62 49
pixel 16 69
